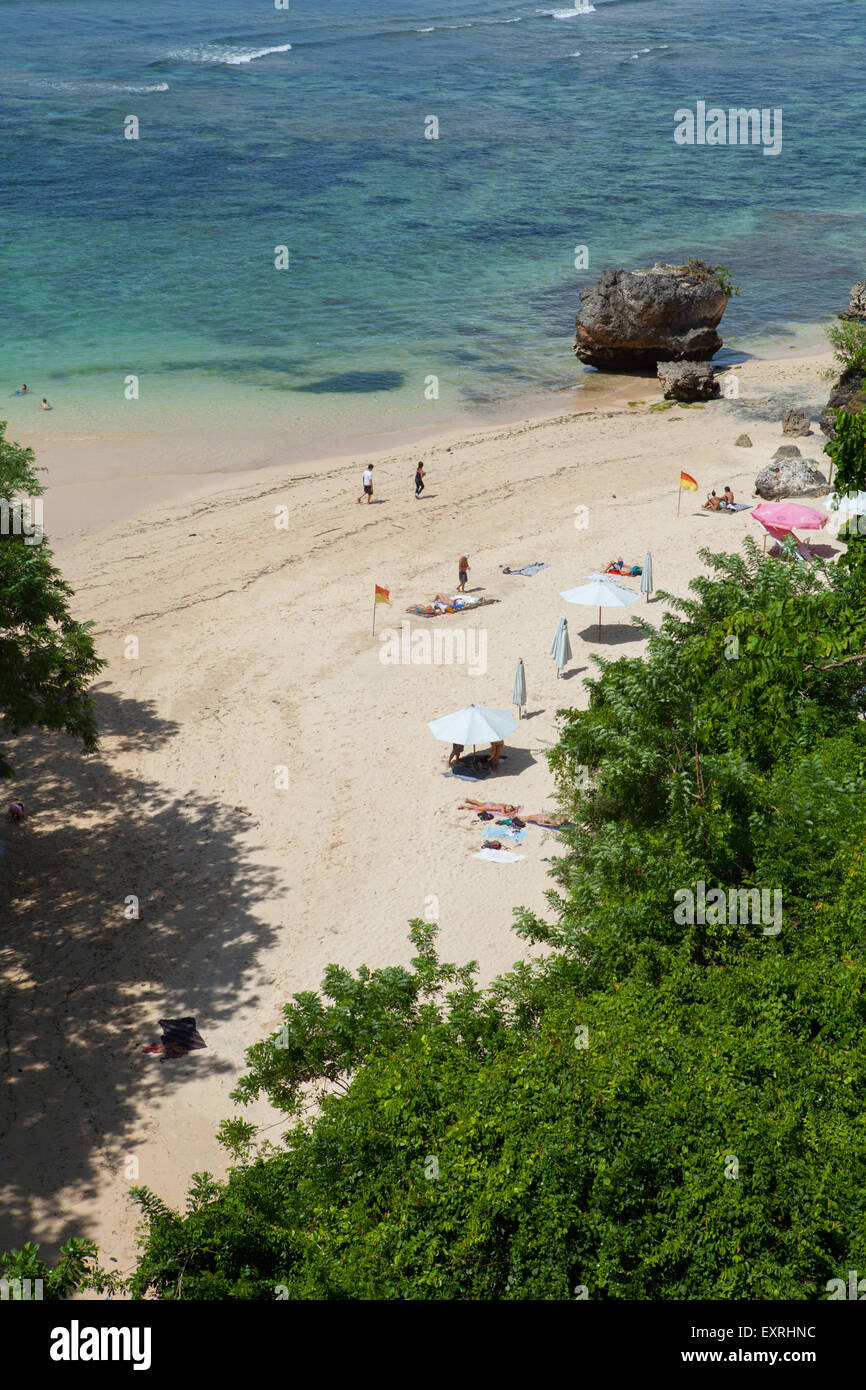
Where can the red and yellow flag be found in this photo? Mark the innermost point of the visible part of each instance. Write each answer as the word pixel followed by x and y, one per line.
pixel 686 480
pixel 382 595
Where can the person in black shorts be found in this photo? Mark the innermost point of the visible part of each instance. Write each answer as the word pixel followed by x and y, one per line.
pixel 419 480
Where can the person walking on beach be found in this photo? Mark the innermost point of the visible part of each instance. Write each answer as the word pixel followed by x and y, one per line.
pixel 367 483
pixel 463 571
pixel 419 480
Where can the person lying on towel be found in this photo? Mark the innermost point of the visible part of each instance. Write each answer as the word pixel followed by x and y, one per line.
pixel 620 567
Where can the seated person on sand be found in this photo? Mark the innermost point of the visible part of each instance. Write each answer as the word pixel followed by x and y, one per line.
pixel 615 567
pixel 713 503
pixel 727 496
pixel 495 755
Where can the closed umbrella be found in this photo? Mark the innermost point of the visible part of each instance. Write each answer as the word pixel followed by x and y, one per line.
pixel 518 696
pixel 560 647
pixel 474 724
pixel 600 594
pixel 646 579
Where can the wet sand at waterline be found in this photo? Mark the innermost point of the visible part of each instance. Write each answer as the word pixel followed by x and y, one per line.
pixel 255 653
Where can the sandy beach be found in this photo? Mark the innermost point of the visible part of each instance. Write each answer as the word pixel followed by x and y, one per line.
pixel 238 646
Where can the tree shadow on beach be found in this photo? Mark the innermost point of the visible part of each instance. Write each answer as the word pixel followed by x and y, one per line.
pixel 79 975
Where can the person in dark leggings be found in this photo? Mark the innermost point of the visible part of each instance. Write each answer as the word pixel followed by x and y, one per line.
pixel 419 480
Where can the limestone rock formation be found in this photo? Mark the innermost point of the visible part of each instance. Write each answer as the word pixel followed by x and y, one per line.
pixel 688 381
pixel 796 421
pixel 635 319
pixel 791 477
pixel 743 441
pixel 848 394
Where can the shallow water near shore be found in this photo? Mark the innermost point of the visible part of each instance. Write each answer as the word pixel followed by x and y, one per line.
pixel 410 259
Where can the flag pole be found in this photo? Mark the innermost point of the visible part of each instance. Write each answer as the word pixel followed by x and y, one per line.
pixel 374 612
pixel 679 497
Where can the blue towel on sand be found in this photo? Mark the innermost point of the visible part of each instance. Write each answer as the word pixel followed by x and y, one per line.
pixel 504 832
pixel 468 774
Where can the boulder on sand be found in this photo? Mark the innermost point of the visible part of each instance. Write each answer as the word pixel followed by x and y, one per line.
pixel 787 451
pixel 743 441
pixel 796 421
pixel 634 319
pixel 791 477
pixel 688 381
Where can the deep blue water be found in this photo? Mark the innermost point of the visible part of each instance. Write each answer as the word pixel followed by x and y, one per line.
pixel 409 257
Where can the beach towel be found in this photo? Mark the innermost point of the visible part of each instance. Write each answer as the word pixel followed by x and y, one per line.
pixel 527 569
pixel 469 774
pixel 179 1036
pixel 499 856
pixel 508 832
pixel 457 605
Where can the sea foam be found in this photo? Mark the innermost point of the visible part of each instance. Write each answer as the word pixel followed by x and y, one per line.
pixel 228 54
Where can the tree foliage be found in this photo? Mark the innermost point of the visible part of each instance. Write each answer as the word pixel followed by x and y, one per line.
pixel 47 658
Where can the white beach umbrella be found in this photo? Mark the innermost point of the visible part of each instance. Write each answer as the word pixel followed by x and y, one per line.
pixel 518 696
pixel 560 647
pixel 600 594
pixel 474 724
pixel 646 579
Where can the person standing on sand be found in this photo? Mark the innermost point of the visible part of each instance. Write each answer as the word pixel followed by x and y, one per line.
pixel 367 483
pixel 463 571
pixel 419 480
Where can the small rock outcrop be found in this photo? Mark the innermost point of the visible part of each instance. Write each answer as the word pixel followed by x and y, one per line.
pixel 635 319
pixel 790 477
pixel 743 441
pixel 857 305
pixel 787 451
pixel 848 394
pixel 796 421
pixel 688 381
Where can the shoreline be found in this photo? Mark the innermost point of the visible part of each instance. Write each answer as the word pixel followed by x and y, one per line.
pixel 104 478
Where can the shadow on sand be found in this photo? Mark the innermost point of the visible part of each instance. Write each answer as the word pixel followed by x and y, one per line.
pixel 83 985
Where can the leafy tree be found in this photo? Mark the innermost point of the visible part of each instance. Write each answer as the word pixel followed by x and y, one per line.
pixel 76 1269
pixel 47 658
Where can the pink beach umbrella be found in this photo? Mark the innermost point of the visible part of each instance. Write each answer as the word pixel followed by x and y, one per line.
pixel 789 516
pixel 779 519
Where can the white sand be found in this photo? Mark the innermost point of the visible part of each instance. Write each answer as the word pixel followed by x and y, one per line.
pixel 255 651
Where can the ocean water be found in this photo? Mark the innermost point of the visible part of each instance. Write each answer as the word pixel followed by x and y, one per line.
pixel 410 259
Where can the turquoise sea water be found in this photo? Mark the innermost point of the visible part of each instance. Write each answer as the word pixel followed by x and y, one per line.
pixel 409 257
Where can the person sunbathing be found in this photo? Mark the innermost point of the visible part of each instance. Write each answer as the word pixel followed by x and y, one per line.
pixel 500 808
pixel 727 497
pixel 713 503
pixel 441 603
pixel 615 567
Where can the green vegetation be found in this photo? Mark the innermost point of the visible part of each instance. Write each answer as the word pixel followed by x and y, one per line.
pixel 47 659
pixel 650 1110
pixel 722 273
pixel 77 1269
pixel 848 340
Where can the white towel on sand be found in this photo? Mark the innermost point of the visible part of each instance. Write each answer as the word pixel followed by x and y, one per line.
pixel 499 856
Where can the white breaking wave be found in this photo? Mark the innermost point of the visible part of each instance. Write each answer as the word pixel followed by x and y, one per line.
pixel 224 54
pixel 97 88
pixel 573 13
